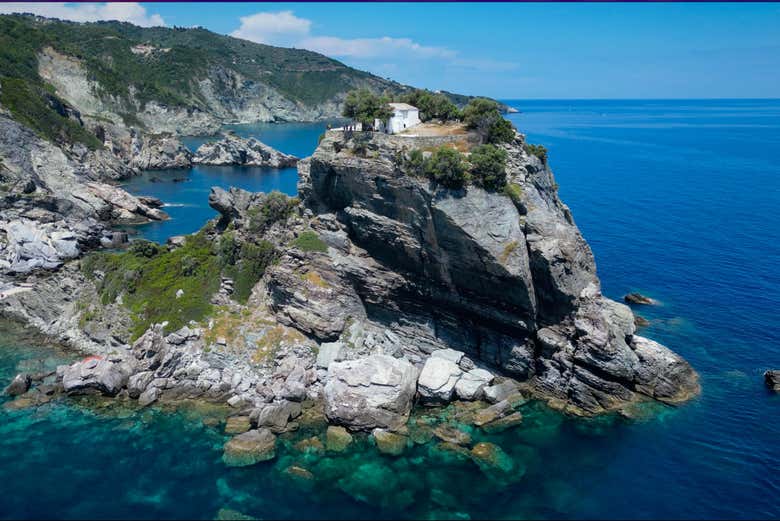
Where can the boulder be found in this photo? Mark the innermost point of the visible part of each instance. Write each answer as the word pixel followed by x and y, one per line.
pixel 437 380
pixel 249 448
pixel 19 385
pixel 492 413
pixel 149 396
pixel 371 392
pixel 275 416
pixel 94 374
pixel 471 385
pixel 500 391
pixel 329 352
pixel 502 424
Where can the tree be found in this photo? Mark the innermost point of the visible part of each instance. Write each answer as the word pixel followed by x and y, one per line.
pixel 483 115
pixel 365 106
pixel 432 106
pixel 447 167
pixel 488 167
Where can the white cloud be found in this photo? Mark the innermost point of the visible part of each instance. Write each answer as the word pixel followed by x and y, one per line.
pixel 285 29
pixel 373 47
pixel 132 12
pixel 282 28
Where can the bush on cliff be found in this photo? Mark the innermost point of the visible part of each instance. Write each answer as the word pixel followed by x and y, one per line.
pixel 484 116
pixel 275 208
pixel 488 167
pixel 538 150
pixel 447 167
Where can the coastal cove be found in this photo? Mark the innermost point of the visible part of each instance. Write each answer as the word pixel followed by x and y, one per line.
pixel 185 191
pixel 645 181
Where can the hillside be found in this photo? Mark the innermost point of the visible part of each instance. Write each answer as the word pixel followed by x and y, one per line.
pixel 156 78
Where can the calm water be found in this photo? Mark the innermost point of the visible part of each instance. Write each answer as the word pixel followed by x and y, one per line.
pixel 678 199
pixel 185 191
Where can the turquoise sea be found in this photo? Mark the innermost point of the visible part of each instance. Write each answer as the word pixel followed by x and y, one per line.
pixel 678 199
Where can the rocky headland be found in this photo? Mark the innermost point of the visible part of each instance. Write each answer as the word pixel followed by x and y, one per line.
pixel 375 292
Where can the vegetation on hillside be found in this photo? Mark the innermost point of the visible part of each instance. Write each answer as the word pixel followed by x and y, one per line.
pixel 148 277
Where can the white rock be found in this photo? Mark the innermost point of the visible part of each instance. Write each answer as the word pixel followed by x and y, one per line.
pixel 437 380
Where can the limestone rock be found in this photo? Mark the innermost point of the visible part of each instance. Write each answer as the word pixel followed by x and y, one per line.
pixel 237 425
pixel 471 384
pixel 371 392
pixel 94 374
pixel 437 380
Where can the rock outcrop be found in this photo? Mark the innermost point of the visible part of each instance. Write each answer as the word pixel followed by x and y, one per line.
pixel 158 152
pixel 509 281
pixel 234 150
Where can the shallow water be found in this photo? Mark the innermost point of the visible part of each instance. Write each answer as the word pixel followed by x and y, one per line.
pixel 677 199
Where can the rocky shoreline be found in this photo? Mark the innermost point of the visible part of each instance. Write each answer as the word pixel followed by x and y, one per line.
pixel 386 293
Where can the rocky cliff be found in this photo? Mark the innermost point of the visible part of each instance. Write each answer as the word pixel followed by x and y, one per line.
pixel 511 283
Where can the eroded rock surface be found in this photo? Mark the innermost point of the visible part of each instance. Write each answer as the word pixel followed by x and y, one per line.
pixel 234 150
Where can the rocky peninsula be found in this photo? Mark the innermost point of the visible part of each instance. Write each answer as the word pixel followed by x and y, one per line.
pixel 375 292
pixel 234 150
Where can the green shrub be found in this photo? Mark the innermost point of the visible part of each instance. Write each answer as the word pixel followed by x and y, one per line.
pixel 447 168
pixel 538 150
pixel 488 167
pixel 484 116
pixel 310 241
pixel 275 207
pixel 515 192
pixel 252 262
pixel 364 106
pixel 414 163
pixel 148 279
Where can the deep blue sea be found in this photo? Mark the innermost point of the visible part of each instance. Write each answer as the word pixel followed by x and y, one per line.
pixel 679 200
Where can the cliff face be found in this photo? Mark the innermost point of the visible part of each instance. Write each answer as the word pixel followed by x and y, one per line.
pixel 511 283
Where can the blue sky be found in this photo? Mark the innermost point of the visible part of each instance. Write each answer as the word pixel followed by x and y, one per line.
pixel 604 50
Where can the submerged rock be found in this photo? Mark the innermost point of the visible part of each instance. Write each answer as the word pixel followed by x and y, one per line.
pixel 19 385
pixel 451 434
pixel 250 448
pixel 237 425
pixel 638 298
pixel 337 439
pixel 389 442
pixel 371 392
pixel 490 457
